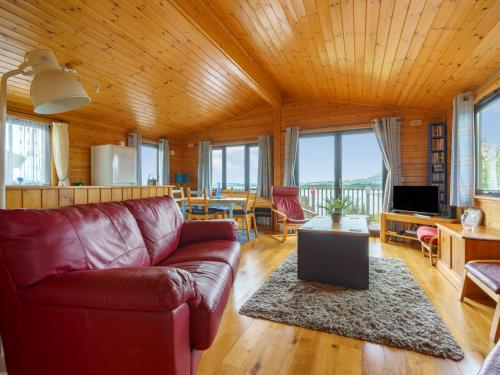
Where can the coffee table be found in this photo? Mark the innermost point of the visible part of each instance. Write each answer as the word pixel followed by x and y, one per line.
pixel 334 253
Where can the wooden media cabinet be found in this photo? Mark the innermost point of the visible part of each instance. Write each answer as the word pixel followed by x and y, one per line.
pixel 386 217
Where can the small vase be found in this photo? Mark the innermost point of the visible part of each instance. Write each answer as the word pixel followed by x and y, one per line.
pixel 336 216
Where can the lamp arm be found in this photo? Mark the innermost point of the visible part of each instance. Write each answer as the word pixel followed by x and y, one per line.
pixel 3 120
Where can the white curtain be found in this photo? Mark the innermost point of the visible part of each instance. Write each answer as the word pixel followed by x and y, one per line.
pixel 388 133
pixel 462 151
pixel 27 147
pixel 265 167
pixel 163 162
pixel 204 166
pixel 291 151
pixel 135 140
pixel 60 151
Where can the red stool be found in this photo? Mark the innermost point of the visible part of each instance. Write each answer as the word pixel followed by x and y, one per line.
pixel 428 237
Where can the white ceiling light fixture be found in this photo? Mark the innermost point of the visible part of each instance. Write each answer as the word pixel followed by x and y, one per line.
pixel 52 91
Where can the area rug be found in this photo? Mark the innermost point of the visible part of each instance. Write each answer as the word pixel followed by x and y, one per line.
pixel 394 311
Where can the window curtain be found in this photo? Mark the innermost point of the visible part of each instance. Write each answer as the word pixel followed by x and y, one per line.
pixel 60 152
pixel 163 162
pixel 291 151
pixel 27 152
pixel 135 140
pixel 388 133
pixel 204 166
pixel 462 151
pixel 265 167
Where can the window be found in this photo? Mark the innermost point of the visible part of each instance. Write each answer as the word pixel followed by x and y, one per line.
pixel 235 167
pixel 344 163
pixel 488 145
pixel 149 161
pixel 27 146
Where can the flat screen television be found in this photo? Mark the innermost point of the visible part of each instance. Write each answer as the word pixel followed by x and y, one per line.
pixel 421 199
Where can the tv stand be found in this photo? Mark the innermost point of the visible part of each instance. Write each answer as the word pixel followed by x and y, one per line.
pixel 408 218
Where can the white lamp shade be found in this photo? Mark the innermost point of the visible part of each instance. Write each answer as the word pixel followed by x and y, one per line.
pixel 53 91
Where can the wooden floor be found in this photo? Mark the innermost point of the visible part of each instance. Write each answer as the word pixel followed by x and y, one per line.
pixel 252 346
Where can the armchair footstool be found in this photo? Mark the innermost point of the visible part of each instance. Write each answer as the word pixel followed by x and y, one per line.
pixel 483 277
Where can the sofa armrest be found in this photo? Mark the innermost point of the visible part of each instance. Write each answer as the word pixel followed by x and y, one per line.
pixel 157 289
pixel 197 231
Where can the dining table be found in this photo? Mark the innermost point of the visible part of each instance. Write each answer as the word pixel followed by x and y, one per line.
pixel 228 203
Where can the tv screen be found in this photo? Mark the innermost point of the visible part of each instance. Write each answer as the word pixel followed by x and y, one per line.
pixel 423 199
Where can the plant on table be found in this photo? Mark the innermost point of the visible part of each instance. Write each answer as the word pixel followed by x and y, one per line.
pixel 335 207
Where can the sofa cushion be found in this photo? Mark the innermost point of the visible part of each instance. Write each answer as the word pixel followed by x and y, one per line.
pixel 425 233
pixel 160 221
pixel 137 288
pixel 224 251
pixel 109 235
pixel 38 243
pixel 213 282
pixel 488 273
pixel 491 365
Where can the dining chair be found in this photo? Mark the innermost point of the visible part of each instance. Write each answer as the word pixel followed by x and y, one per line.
pixel 243 214
pixel 250 214
pixel 178 193
pixel 202 211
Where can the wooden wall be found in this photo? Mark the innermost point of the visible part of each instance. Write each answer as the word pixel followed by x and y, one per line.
pixel 318 115
pixel 51 197
pixel 82 137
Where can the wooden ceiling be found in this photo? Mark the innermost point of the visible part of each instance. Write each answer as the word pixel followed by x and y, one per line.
pixel 157 72
pixel 172 67
pixel 410 53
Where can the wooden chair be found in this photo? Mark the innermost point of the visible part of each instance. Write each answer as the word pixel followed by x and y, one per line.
pixel 483 277
pixel 285 204
pixel 247 215
pixel 178 193
pixel 204 212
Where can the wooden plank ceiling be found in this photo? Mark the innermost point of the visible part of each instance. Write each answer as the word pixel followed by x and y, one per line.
pixel 157 72
pixel 410 53
pixel 176 66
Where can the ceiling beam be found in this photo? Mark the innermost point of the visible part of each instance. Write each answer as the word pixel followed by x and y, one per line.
pixel 203 19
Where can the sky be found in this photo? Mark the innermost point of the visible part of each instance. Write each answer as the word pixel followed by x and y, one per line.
pixel 490 121
pixel 235 165
pixel 361 157
pixel 149 158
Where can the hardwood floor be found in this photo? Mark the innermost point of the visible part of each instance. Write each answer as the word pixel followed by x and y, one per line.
pixel 252 346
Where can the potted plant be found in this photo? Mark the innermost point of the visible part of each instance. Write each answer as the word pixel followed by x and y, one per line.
pixel 335 207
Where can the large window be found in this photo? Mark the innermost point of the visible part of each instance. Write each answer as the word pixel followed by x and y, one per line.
pixel 488 145
pixel 235 166
pixel 27 158
pixel 149 162
pixel 347 164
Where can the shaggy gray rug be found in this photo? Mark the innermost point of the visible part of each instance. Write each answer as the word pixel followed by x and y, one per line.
pixel 394 311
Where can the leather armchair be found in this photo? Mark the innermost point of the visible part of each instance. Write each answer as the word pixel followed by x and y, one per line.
pixel 114 288
pixel 287 209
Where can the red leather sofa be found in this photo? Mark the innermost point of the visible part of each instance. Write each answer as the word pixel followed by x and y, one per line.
pixel 115 288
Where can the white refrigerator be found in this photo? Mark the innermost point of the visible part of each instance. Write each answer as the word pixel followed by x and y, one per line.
pixel 113 165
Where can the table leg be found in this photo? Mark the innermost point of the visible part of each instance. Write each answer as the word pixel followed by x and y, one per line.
pixel 231 207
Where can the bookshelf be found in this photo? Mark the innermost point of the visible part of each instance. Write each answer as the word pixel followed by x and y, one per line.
pixel 438 160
